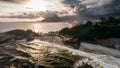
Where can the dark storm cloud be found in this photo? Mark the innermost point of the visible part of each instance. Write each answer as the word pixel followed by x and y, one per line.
pixel 56 18
pixel 78 10
pixel 114 7
pixel 94 7
pixel 49 16
pixel 14 1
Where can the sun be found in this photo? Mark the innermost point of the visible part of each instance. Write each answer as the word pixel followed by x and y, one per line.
pixel 37 5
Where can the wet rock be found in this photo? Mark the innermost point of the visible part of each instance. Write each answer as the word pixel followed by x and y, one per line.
pixel 30 37
pixel 13 60
pixel 5 38
pixel 4 60
pixel 40 66
pixel 21 34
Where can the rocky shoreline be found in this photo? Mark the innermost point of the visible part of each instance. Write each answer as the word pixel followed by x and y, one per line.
pixel 28 35
pixel 34 54
pixel 20 50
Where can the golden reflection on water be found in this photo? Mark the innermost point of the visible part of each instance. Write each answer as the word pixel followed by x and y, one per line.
pixel 47 27
pixel 36 27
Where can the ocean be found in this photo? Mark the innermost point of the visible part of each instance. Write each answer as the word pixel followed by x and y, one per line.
pixel 43 27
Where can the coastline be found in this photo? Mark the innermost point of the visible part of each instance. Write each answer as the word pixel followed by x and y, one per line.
pixel 86 47
pixel 32 50
pixel 55 38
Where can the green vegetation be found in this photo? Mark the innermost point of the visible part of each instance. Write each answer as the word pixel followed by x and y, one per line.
pixel 62 59
pixel 85 65
pixel 105 28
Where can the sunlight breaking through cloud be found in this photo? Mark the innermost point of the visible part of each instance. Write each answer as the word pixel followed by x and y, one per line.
pixel 62 10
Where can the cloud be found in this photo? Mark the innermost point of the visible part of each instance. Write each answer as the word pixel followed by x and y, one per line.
pixel 57 18
pixel 74 10
pixel 23 15
pixel 48 16
pixel 19 20
pixel 94 7
pixel 14 1
pixel 61 17
pixel 105 7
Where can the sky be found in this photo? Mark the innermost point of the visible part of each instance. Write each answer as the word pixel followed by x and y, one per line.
pixel 56 10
